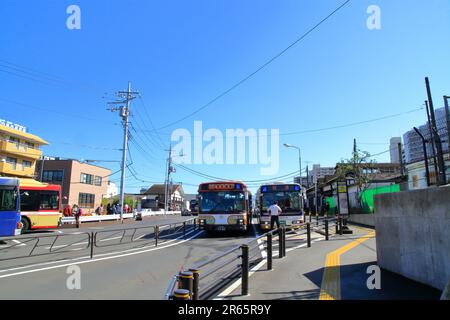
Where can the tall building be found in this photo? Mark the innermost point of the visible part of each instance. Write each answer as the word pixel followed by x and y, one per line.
pixel 393 149
pixel 413 143
pixel 81 183
pixel 19 150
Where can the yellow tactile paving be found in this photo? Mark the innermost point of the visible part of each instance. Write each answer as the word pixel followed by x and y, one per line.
pixel 331 285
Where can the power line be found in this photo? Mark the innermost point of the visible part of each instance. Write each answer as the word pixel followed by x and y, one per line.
pixel 151 122
pixel 29 106
pixel 302 37
pixel 42 77
pixel 342 125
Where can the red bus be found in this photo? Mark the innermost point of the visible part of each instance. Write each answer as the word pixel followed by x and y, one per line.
pixel 224 206
pixel 40 205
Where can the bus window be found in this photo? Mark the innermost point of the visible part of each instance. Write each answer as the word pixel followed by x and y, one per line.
pixel 7 200
pixel 29 200
pixel 49 200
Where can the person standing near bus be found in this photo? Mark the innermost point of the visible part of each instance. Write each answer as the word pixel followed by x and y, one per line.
pixel 274 211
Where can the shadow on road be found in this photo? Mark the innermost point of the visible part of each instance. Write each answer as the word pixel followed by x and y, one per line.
pixel 353 284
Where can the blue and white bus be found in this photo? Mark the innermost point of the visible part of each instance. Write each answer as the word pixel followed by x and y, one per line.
pixel 289 197
pixel 10 224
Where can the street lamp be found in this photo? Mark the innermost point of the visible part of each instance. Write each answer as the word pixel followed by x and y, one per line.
pixel 299 159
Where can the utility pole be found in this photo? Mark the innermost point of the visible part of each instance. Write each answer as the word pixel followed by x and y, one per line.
pixel 447 115
pixel 307 177
pixel 433 145
pixel 400 158
pixel 425 155
pixel 124 114
pixel 435 134
pixel 166 187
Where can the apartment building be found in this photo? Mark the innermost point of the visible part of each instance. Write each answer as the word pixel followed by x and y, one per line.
pixel 19 150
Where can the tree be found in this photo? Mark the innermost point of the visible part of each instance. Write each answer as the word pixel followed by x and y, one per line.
pixel 359 168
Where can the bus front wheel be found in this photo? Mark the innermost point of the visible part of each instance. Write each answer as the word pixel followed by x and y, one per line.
pixel 25 225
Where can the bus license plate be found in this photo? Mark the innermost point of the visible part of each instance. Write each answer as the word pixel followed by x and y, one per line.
pixel 220 228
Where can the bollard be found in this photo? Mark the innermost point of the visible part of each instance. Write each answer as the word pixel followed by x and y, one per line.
pixel 336 225
pixel 269 251
pixel 187 281
pixel 317 219
pixel 156 230
pixel 340 226
pixel 284 242
pixel 326 229
pixel 245 267
pixel 181 294
pixel 92 244
pixel 196 279
pixel 308 234
pixel 280 243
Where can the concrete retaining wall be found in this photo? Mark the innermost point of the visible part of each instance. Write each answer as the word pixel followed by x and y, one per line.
pixel 365 219
pixel 413 234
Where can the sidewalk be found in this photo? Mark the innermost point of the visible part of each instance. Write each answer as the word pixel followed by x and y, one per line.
pixel 305 272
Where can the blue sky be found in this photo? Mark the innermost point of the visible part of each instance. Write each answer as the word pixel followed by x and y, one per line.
pixel 181 54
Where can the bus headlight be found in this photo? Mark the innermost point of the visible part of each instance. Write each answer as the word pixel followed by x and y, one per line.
pixel 235 220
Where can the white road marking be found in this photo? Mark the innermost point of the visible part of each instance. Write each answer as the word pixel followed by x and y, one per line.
pixel 120 254
pixel 20 244
pixel 86 257
pixel 237 283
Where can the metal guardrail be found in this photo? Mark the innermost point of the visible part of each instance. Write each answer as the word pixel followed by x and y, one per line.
pixel 29 246
pixel 42 245
pixel 188 288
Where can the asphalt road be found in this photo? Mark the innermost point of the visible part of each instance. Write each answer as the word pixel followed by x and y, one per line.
pixel 137 270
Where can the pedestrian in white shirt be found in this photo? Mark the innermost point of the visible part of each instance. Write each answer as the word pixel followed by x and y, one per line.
pixel 274 212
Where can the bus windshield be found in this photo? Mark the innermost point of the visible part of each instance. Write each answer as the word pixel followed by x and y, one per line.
pixel 35 200
pixel 230 201
pixel 288 201
pixel 8 197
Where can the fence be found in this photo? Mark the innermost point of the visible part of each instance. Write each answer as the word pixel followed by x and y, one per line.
pixel 116 217
pixel 43 245
pixel 237 263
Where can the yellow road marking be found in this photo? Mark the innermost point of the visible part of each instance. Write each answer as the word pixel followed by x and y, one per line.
pixel 331 284
pixel 363 228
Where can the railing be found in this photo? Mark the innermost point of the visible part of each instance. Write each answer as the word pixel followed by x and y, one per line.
pixel 25 247
pixel 42 245
pixel 238 262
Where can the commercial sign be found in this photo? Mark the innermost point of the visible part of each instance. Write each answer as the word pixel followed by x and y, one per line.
pixel 12 125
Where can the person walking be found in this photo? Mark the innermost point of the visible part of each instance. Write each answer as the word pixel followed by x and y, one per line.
pixel 108 209
pixel 76 211
pixel 274 211
pixel 99 210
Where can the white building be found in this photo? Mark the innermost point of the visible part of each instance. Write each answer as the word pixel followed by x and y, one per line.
pixel 112 190
pixel 413 143
pixel 316 173
pixel 393 148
